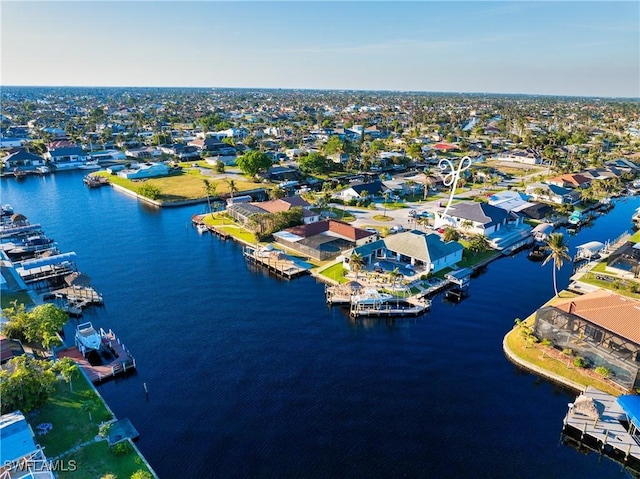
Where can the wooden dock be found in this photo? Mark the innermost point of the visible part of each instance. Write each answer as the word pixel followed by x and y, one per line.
pixel 606 433
pixel 121 360
pixel 275 261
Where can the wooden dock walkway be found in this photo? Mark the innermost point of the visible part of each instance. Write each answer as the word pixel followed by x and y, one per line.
pixel 606 433
pixel 121 359
pixel 276 262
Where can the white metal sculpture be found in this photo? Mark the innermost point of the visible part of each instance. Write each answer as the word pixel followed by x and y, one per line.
pixel 451 176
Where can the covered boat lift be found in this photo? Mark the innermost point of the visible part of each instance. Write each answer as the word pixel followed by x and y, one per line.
pixel 589 251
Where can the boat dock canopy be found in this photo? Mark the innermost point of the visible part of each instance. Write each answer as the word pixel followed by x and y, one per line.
pixel 543 228
pixel 590 248
pixel 459 276
pixel 631 406
pixel 49 260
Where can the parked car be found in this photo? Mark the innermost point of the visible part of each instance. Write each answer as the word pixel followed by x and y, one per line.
pixel 396 229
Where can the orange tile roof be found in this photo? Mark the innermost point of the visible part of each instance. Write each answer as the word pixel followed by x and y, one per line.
pixel 609 310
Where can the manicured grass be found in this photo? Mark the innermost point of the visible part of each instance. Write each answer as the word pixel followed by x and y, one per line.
pixel 97 460
pixel 71 424
pixel 224 223
pixel 335 272
pixel 590 278
pixel 600 267
pixel 537 354
pixel 338 213
pixel 471 259
pixel 185 185
pixel 21 297
pixel 240 233
pixel 396 206
pixel 382 218
pixel 635 238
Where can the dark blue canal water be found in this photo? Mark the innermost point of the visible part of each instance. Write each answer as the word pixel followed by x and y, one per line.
pixel 250 376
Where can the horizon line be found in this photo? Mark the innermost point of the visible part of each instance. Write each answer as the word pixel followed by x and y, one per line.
pixel 364 90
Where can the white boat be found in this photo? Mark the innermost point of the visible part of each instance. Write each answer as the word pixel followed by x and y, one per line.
pixel 43 170
pixel 202 228
pixel 371 296
pixel 90 165
pixel 88 337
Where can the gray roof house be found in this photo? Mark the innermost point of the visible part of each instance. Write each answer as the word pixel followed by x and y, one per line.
pixel 504 229
pixel 415 248
pixel 22 160
pixel 374 188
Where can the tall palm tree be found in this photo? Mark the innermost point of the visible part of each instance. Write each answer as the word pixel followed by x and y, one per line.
pixel 356 261
pixel 559 251
pixel 386 195
pixel 233 188
pixel 210 190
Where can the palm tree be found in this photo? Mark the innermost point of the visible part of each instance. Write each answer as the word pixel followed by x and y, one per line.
pixel 385 195
pixel 233 188
pixel 210 190
pixel 479 243
pixel 450 234
pixel 559 252
pixel 355 263
pixel 68 369
pixel 466 225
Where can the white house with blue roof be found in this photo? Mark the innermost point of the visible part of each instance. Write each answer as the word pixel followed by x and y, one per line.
pixel 67 158
pixel 417 248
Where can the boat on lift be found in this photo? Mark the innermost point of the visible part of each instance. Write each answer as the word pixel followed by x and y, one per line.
pixel 87 337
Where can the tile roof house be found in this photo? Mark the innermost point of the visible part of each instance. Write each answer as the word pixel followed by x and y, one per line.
pixel 603 327
pixel 323 239
pixel 242 211
pixel 570 180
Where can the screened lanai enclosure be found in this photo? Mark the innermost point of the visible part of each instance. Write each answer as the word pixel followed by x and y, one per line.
pixel 598 345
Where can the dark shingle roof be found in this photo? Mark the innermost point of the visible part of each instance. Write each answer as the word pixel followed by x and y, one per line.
pixel 479 212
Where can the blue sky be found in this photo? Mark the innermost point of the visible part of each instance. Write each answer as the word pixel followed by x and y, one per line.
pixel 562 48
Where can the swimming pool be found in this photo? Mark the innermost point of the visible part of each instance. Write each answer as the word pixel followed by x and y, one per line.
pixel 389 266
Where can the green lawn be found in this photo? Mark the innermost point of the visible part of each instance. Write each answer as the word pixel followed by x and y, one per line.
pixel 71 425
pixel 185 185
pixel 622 285
pixel 97 460
pixel 239 233
pixel 470 259
pixel 74 425
pixel 338 213
pixel 7 299
pixel 635 238
pixel 335 272
pixel 382 218
pixel 537 355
